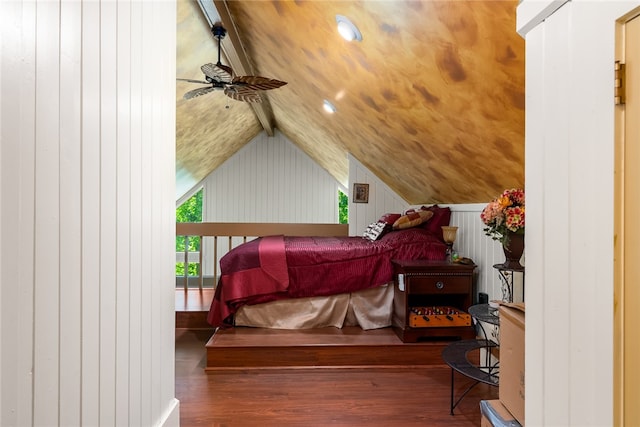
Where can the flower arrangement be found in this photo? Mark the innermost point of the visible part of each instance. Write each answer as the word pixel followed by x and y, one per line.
pixel 504 214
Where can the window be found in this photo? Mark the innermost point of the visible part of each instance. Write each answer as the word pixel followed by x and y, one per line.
pixel 343 208
pixel 189 211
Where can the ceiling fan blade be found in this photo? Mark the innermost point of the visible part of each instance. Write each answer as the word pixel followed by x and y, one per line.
pixel 193 81
pixel 240 93
pixel 217 72
pixel 224 70
pixel 198 92
pixel 257 82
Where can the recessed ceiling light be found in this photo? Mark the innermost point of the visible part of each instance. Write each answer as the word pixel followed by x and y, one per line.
pixel 328 107
pixel 347 29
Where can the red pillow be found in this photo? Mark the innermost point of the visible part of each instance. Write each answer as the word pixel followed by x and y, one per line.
pixel 441 216
pixel 389 218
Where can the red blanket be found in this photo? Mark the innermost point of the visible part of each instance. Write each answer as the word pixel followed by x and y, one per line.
pixel 277 267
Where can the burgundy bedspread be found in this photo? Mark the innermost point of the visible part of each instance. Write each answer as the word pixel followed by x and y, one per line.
pixel 277 267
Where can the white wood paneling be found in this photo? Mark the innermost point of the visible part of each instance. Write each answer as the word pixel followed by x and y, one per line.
pixel 146 267
pixel 271 180
pixel 471 242
pixel 569 183
pixel 268 180
pixel 137 245
pixel 556 221
pixel 87 213
pixel 168 406
pixel 70 212
pixel 47 210
pixel 534 179
pixel 17 213
pixel 122 209
pixel 108 201
pixel 382 199
pixel 90 150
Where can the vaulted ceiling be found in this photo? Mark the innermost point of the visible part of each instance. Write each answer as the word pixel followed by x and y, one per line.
pixel 431 100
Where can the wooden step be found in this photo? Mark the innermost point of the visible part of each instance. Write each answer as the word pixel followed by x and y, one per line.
pixel 192 307
pixel 257 348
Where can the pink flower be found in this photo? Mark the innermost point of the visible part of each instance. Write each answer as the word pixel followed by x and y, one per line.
pixel 514 218
pixel 504 214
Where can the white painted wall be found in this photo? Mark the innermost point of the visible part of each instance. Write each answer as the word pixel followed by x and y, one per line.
pixel 569 186
pixel 87 197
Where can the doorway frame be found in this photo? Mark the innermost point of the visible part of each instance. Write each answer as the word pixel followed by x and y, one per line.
pixel 621 375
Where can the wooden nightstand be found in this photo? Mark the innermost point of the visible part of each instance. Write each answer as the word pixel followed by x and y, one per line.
pixel 428 284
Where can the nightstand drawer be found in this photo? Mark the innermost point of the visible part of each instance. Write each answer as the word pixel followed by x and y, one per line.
pixel 440 284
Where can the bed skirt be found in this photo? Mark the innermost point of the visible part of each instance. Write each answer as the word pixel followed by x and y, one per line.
pixel 369 308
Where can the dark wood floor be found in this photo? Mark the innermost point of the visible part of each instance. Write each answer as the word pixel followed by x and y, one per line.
pixel 417 396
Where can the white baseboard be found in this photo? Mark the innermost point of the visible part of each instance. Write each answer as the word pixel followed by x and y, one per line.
pixel 171 416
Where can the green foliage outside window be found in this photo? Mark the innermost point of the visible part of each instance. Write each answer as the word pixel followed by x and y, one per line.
pixel 189 211
pixel 343 207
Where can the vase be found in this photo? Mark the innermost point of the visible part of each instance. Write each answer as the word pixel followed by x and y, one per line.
pixel 513 249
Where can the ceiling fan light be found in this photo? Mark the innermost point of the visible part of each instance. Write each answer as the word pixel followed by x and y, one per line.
pixel 347 29
pixel 328 107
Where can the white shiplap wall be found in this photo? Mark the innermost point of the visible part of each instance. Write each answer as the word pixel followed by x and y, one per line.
pixel 471 242
pixel 382 198
pixel 87 213
pixel 268 180
pixel 570 209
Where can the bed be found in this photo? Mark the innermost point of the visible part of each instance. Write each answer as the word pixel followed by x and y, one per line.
pixel 302 282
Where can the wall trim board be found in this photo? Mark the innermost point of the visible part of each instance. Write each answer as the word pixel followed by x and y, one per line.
pixel 532 13
pixel 171 416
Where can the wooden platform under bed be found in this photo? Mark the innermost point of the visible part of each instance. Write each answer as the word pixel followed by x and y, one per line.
pixel 255 348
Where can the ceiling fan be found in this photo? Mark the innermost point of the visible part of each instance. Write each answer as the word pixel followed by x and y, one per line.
pixel 221 77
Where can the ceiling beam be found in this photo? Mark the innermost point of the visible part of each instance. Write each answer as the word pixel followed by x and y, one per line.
pixel 217 10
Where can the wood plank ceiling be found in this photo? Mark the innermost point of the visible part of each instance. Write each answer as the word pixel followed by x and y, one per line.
pixel 431 100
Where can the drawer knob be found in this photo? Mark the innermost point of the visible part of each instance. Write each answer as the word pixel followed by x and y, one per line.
pixel 439 284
